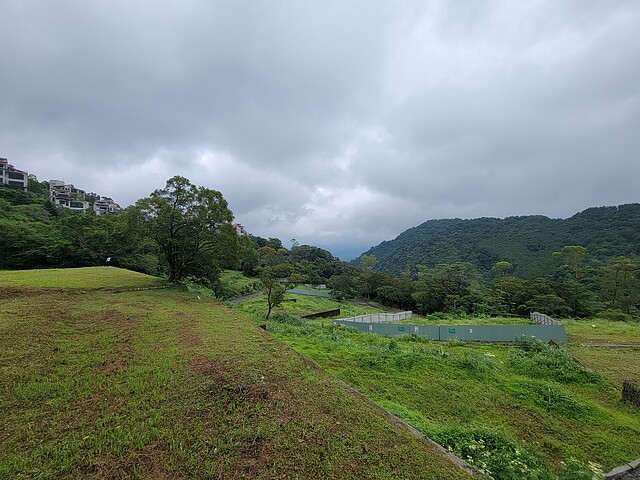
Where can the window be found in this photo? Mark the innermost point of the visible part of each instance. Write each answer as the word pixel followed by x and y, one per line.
pixel 16 175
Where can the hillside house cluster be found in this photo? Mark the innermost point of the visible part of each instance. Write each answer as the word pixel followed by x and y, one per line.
pixel 68 196
pixel 12 177
pixel 61 194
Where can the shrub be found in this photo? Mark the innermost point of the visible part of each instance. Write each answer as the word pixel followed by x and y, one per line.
pixel 537 359
pixel 497 455
pixel 477 362
pixel 198 286
pixel 553 398
pixel 286 318
pixel 615 315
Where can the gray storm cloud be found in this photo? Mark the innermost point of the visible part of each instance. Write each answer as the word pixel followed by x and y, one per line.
pixel 337 123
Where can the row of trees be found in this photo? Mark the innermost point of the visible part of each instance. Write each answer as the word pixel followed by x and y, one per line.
pixel 578 288
pixel 184 231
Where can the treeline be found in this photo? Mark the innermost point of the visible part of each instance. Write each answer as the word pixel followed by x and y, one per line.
pixel 578 287
pixel 180 231
pixel 185 233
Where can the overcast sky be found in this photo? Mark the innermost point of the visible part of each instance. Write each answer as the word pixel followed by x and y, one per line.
pixel 338 123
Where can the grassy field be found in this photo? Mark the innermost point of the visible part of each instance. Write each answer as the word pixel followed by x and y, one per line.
pixel 526 411
pixel 158 384
pixel 304 305
pixel 615 363
pixel 78 278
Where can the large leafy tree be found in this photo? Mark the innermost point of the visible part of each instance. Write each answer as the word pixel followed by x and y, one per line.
pixel 185 221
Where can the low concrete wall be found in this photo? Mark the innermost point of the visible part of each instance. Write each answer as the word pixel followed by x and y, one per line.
pixel 326 314
pixel 478 333
pixel 629 471
pixel 631 392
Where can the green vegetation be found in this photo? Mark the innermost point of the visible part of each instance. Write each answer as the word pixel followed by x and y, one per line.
pixel 525 411
pixel 234 284
pixel 104 382
pixel 304 305
pixel 526 243
pixel 187 223
pixel 583 266
pixel 159 384
pixel 79 278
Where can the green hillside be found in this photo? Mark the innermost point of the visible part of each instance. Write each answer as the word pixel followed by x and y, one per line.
pixel 121 383
pixel 523 411
pixel 527 242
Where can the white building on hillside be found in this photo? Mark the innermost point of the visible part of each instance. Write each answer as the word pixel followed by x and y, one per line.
pixel 67 196
pixel 12 177
pixel 105 205
pixel 239 229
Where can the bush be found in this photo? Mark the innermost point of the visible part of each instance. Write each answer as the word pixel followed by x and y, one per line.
pixel 197 286
pixel 615 315
pixel 553 398
pixel 497 455
pixel 477 362
pixel 286 318
pixel 537 359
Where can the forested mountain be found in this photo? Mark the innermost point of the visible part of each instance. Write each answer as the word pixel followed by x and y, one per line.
pixel 527 242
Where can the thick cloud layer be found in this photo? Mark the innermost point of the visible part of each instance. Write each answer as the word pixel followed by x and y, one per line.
pixel 336 123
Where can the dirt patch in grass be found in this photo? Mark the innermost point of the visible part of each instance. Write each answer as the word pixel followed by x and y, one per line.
pixel 206 365
pixel 190 339
pixel 12 293
pixel 188 336
pixel 240 385
pixel 7 293
pixel 123 350
pixel 147 464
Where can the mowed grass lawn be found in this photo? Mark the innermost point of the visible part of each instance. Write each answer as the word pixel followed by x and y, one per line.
pixel 78 278
pixel 158 384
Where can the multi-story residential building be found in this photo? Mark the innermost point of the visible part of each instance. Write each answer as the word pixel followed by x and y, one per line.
pixel 12 177
pixel 105 205
pixel 239 229
pixel 68 196
pixel 63 195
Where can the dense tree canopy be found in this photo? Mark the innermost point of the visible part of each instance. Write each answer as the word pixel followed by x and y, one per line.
pixel 186 222
pixel 526 242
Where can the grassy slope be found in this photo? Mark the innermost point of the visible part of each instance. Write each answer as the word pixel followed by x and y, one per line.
pixel 304 305
pixel 443 387
pixel 157 384
pixel 78 278
pixel 617 364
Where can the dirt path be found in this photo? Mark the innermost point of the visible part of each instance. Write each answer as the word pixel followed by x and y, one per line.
pixel 237 300
pixel 613 345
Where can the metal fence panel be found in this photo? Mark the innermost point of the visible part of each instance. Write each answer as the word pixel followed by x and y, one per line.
pixel 478 333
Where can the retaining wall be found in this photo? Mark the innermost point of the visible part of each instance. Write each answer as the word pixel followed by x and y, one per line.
pixel 631 392
pixel 325 314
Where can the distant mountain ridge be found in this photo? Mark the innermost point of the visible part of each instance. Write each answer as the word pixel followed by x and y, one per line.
pixel 526 241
